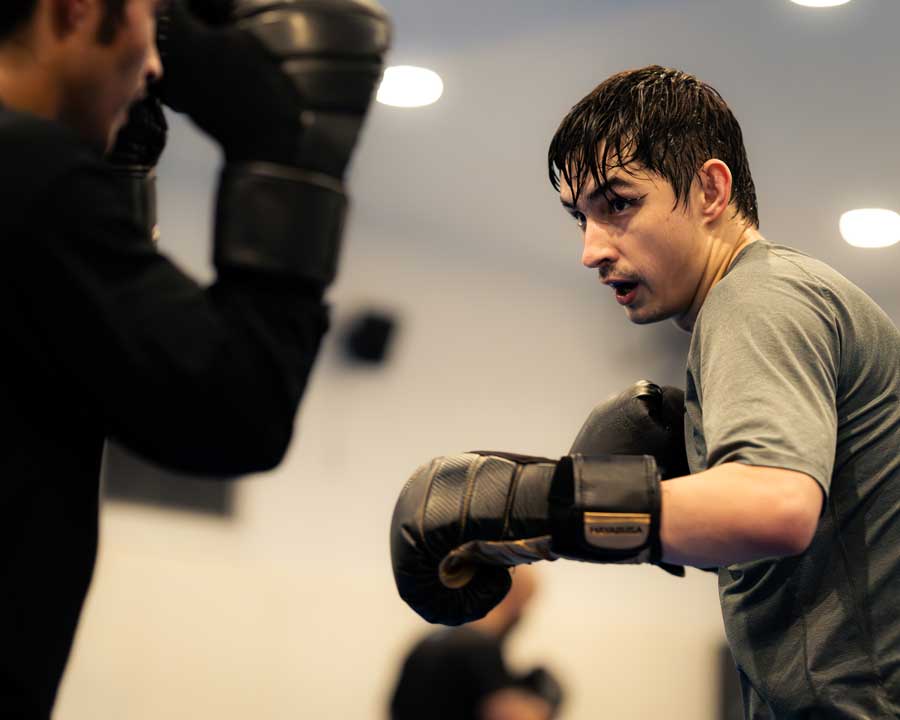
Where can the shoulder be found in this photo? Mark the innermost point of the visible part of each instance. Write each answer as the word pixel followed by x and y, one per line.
pixel 770 281
pixel 36 152
pixel 763 269
pixel 48 173
pixel 23 135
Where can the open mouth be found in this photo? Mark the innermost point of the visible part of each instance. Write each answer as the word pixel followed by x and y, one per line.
pixel 623 288
pixel 625 292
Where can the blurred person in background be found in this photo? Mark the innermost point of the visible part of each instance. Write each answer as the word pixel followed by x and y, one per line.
pixel 103 336
pixel 461 674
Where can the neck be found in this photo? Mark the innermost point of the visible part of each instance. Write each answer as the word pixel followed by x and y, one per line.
pixel 724 246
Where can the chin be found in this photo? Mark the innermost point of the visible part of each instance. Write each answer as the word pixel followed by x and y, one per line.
pixel 110 141
pixel 647 317
pixel 112 131
pixel 644 320
pixel 99 141
pixel 101 135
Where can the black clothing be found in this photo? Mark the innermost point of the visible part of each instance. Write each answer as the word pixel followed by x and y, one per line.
pixel 103 336
pixel 448 675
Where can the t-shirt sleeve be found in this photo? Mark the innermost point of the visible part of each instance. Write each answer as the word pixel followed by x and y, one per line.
pixel 769 359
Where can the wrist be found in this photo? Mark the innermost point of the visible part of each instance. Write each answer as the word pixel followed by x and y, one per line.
pixel 279 220
pixel 138 185
pixel 606 508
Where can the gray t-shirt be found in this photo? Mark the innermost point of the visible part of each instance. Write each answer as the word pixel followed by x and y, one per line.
pixel 792 366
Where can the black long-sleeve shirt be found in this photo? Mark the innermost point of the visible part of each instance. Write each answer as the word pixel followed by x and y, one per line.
pixel 102 336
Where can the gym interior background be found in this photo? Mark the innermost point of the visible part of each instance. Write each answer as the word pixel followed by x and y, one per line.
pixel 272 597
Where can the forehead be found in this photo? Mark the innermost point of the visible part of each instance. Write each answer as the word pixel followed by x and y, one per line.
pixel 583 168
pixel 618 179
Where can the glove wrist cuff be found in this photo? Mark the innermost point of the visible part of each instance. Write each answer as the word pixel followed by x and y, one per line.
pixel 139 184
pixel 279 219
pixel 606 508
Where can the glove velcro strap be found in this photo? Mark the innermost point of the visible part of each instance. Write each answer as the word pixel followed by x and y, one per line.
pixel 139 183
pixel 606 508
pixel 279 219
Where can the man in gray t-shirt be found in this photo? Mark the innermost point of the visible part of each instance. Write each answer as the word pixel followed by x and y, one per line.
pixel 792 414
pixel 805 378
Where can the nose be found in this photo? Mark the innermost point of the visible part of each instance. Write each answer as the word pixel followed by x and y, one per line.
pixel 154 69
pixel 598 247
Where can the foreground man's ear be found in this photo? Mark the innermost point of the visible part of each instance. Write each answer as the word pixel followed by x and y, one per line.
pixel 715 182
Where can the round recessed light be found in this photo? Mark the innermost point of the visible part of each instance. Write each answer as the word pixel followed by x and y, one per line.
pixel 820 3
pixel 870 227
pixel 409 86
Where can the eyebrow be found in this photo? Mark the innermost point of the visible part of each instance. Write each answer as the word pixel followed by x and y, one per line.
pixel 618 181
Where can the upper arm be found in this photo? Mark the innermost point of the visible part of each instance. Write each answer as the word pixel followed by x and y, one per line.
pixel 736 513
pixel 764 365
pixel 808 497
pixel 794 506
pixel 768 373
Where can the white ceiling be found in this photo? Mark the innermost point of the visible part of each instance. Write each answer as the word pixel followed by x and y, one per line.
pixel 816 92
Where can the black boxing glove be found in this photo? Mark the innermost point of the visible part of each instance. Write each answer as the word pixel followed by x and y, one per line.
pixel 462 520
pixel 283 86
pixel 134 155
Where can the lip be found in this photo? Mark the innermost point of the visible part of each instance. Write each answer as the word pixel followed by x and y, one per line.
pixel 629 297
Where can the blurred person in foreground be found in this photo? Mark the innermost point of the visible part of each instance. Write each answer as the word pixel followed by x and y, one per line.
pixel 103 335
pixel 460 673
pixel 791 422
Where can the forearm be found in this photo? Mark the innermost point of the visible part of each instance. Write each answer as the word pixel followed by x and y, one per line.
pixel 204 380
pixel 216 390
pixel 736 513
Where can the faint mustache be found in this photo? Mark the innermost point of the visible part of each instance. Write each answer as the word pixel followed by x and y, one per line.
pixel 606 272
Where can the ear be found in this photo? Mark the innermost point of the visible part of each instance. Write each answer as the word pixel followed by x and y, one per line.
pixel 715 189
pixel 70 15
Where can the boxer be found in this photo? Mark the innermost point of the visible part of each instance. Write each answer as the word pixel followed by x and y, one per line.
pixel 792 423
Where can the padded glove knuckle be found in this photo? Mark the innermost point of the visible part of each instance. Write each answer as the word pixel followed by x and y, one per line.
pixel 645 419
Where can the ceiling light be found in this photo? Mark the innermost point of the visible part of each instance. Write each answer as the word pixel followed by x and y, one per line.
pixel 870 227
pixel 820 3
pixel 409 86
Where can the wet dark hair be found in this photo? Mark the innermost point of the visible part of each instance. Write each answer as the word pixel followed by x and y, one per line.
pixel 663 120
pixel 15 13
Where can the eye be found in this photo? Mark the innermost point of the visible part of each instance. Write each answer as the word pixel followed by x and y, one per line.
pixel 619 204
pixel 580 220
